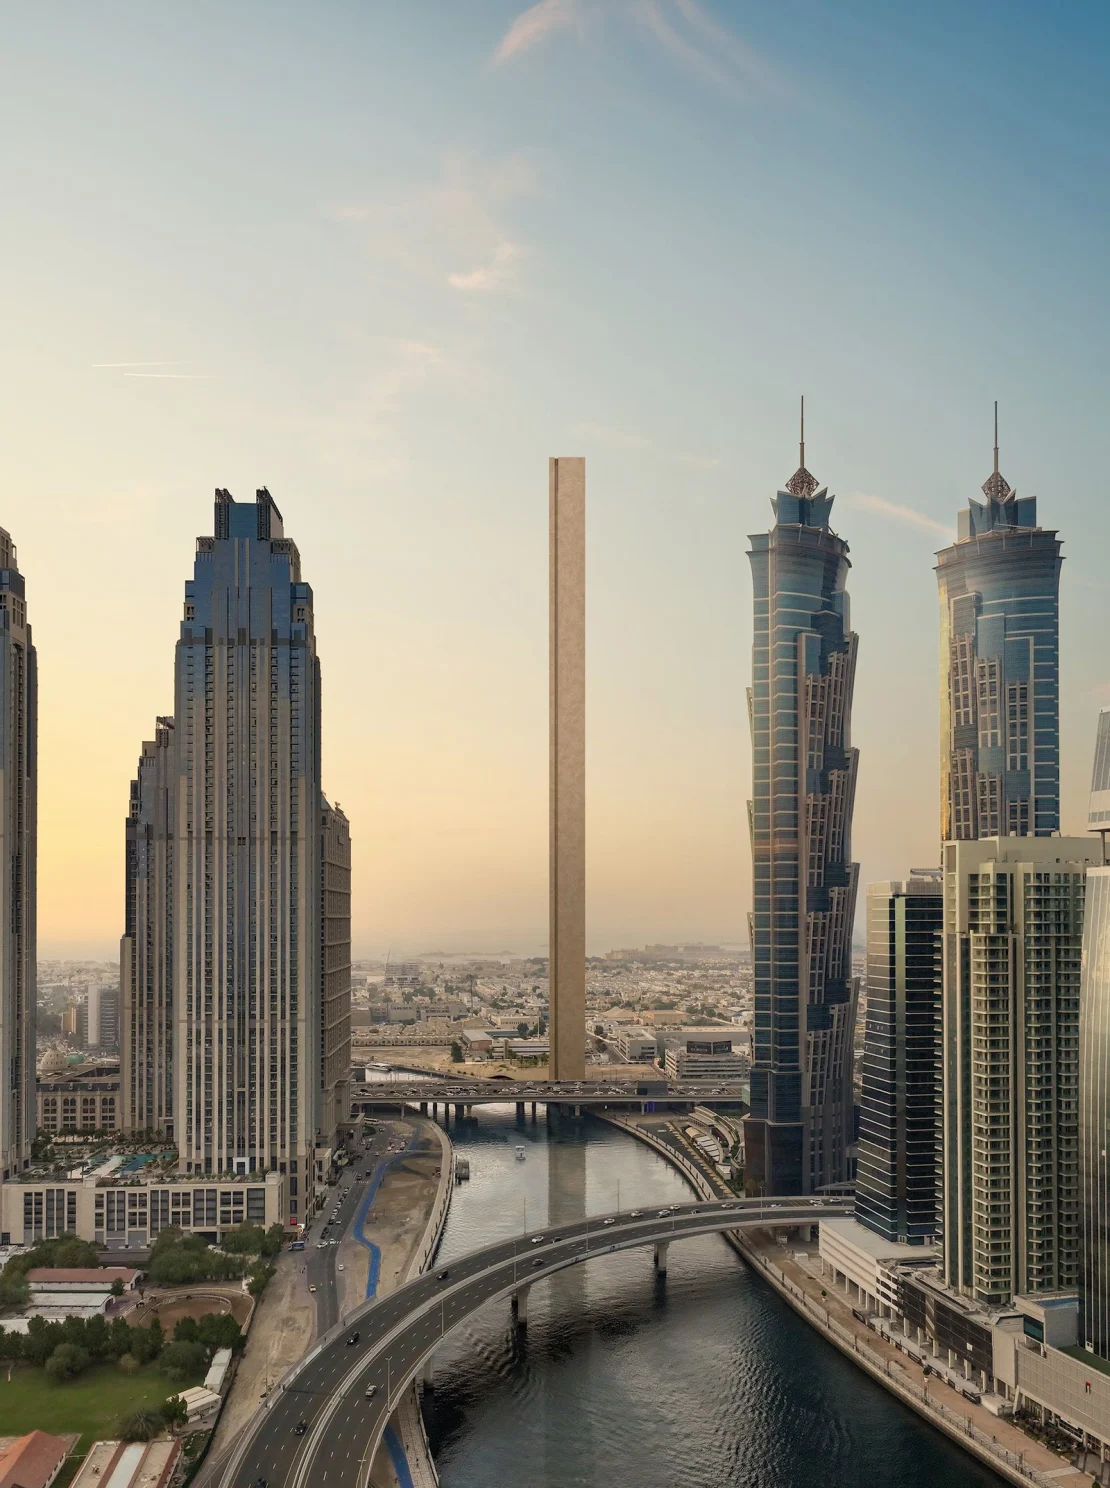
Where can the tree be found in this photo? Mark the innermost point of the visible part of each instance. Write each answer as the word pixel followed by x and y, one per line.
pixel 175 1413
pixel 14 1289
pixel 117 1288
pixel 146 1343
pixel 243 1239
pixel 140 1425
pixel 273 1240
pixel 127 1364
pixel 219 1330
pixel 66 1362
pixel 259 1278
pixel 456 1052
pixel 182 1361
pixel 186 1330
pixel 599 1031
pixel 522 1029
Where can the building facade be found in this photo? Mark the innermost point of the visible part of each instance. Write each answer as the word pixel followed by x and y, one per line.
pixel 18 864
pixel 1009 1191
pixel 804 882
pixel 248 857
pixel 999 657
pixel 896 1172
pixel 1094 1073
pixel 335 971
pixel 146 947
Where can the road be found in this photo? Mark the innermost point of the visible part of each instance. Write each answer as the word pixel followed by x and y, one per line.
pixel 323 1235
pixel 319 1429
pixel 653 1088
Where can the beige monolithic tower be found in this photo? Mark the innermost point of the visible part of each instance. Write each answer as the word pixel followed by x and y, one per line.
pixel 567 990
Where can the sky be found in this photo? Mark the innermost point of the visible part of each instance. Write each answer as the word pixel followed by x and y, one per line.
pixel 387 258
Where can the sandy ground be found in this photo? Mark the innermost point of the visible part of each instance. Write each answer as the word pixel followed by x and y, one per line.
pixel 282 1330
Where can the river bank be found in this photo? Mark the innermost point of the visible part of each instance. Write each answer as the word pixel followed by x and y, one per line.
pixel 1004 1448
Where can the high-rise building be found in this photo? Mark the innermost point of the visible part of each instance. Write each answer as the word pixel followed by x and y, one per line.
pixel 896 1178
pixel 1000 692
pixel 18 864
pixel 1094 1073
pixel 98 1018
pixel 248 857
pixel 146 948
pixel 804 882
pixel 335 969
pixel 1009 1187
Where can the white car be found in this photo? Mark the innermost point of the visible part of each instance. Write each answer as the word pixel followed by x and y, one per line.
pixel 339 1266
pixel 538 1239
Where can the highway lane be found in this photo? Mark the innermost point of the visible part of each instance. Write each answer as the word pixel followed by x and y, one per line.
pixel 319 1430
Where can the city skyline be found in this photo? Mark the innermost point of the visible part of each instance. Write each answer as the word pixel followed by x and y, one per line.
pixel 381 378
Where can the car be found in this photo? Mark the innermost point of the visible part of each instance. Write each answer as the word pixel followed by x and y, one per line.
pixel 260 1483
pixel 300 1428
pixel 339 1265
pixel 608 1221
pixel 371 1391
pixel 353 1339
pixel 312 1286
pixel 443 1275
pixel 636 1214
pixel 538 1239
pixel 663 1213
pixel 537 1260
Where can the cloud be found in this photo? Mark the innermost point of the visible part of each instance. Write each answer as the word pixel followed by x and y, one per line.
pixel 700 462
pixel 450 232
pixel 906 514
pixel 499 268
pixel 535 25
pixel 682 28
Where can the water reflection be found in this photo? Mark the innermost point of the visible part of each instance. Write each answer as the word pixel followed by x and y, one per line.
pixel 624 1381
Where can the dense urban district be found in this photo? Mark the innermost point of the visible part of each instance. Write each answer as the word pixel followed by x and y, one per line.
pixel 224 1147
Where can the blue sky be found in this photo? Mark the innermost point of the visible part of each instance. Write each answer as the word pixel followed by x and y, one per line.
pixel 386 258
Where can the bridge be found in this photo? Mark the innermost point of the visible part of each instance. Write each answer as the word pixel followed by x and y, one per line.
pixel 462 1094
pixel 324 1421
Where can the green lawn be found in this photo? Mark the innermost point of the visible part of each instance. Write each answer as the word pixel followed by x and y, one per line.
pixel 91 1404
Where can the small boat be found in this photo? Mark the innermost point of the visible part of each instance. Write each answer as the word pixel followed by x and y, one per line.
pixel 520 1154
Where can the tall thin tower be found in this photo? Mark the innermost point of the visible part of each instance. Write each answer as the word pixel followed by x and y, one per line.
pixel 567 880
pixel 804 882
pixel 18 864
pixel 999 659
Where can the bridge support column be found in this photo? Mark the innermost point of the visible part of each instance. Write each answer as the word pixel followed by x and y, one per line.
pixel 423 1108
pixel 520 1110
pixel 578 1110
pixel 520 1307
pixel 533 1110
pixel 661 1256
pixel 429 1373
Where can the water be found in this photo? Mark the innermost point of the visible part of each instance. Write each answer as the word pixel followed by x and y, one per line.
pixel 703 1380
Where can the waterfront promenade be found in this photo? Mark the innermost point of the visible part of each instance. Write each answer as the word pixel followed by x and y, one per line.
pixel 1004 1447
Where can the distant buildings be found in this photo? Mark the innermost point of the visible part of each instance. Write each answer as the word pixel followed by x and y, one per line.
pixel 1000 686
pixel 18 864
pixel 896 1173
pixel 1013 926
pixel 704 1057
pixel 804 890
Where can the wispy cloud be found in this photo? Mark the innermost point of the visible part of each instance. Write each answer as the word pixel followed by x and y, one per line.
pixel 126 369
pixel 451 232
pixel 612 438
pixel 537 23
pixel 684 29
pixel 904 514
pixel 699 462
pixel 136 364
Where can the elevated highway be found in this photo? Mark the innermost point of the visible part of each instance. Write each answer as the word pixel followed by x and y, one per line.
pixel 620 1094
pixel 322 1424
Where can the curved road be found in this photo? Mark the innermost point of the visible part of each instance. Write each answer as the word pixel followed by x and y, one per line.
pixel 321 1426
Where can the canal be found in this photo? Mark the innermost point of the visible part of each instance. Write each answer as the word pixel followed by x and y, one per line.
pixel 703 1380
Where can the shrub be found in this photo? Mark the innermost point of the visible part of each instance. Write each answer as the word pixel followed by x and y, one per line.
pixel 66 1362
pixel 128 1363
pixel 140 1425
pixel 259 1279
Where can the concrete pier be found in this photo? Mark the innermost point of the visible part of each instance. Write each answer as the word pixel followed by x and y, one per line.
pixel 520 1307
pixel 661 1256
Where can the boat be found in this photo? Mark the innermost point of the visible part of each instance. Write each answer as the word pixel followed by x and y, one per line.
pixel 520 1154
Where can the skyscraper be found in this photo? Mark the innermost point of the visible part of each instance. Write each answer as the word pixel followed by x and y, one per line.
pixel 896 1176
pixel 1009 1193
pixel 146 947
pixel 1094 1073
pixel 248 858
pixel 18 863
pixel 335 971
pixel 999 655
pixel 804 882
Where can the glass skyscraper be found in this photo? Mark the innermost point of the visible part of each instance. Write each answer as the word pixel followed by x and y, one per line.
pixel 896 1176
pixel 804 883
pixel 18 864
pixel 1000 689
pixel 1094 1075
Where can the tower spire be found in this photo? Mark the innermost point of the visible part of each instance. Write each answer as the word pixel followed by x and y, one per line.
pixel 801 483
pixel 995 487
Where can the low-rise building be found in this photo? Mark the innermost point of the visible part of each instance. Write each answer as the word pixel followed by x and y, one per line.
pixel 77 1097
pixel 704 1058
pixel 81 1278
pixel 35 1460
pixel 116 1464
pixel 635 1046
pixel 124 1209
